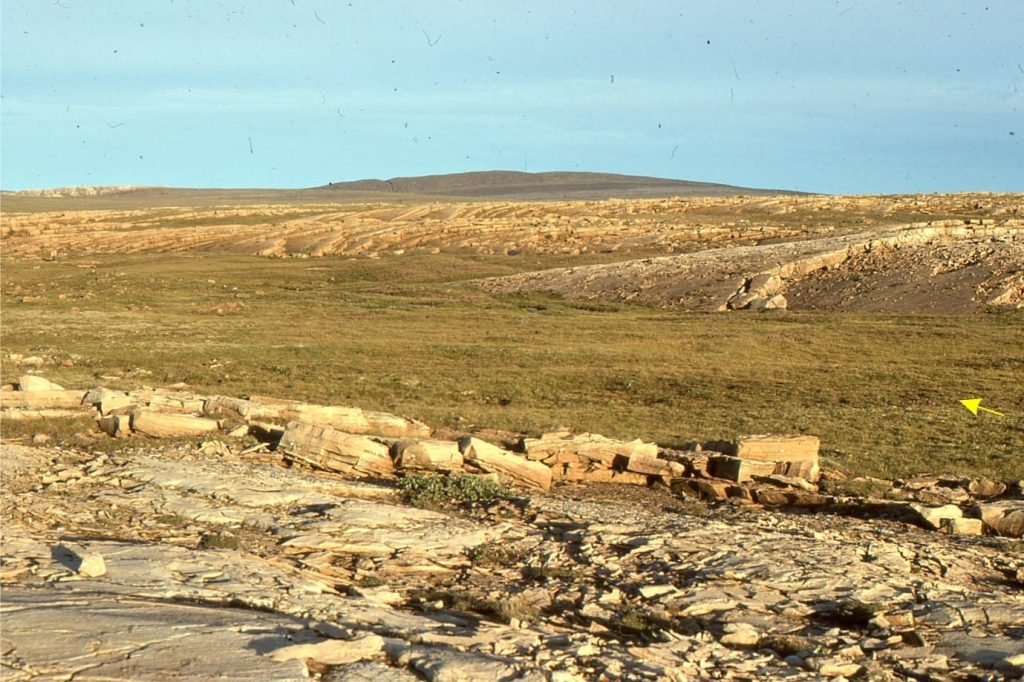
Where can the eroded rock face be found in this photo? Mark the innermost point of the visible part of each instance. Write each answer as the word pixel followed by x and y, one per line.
pixel 221 566
pixel 946 267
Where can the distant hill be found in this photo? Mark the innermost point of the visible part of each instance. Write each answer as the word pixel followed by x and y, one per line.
pixel 484 185
pixel 543 186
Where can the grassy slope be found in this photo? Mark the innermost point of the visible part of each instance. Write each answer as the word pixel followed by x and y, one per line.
pixel 409 335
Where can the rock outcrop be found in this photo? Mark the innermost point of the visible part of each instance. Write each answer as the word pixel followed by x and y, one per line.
pixel 199 562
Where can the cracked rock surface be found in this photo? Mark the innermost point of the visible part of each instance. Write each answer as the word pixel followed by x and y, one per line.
pixel 221 566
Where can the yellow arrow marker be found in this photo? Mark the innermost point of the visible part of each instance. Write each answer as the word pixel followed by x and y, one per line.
pixel 974 404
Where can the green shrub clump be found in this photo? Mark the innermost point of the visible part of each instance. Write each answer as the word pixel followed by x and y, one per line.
pixel 433 492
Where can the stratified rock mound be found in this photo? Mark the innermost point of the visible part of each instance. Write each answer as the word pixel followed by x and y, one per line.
pixel 942 268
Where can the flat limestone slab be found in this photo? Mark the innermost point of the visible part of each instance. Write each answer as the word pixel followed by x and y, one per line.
pixel 766 448
pixel 94 636
pixel 42 399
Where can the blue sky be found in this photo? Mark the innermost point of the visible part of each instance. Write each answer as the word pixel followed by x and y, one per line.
pixel 852 96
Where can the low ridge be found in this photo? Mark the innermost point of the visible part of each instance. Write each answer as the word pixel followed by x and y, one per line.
pixel 544 186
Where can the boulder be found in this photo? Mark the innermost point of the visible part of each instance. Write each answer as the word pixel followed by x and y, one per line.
pixel 31 382
pixel 393 426
pixel 795 456
pixel 739 469
pixel 983 487
pixel 585 449
pixel 778 448
pixel 932 517
pixel 492 459
pixel 642 463
pixel 115 425
pixel 1003 517
pixel 347 419
pixel 162 425
pixel 246 409
pixel 41 399
pixel 91 565
pixel 962 526
pixel 115 401
pixel 427 455
pixel 327 448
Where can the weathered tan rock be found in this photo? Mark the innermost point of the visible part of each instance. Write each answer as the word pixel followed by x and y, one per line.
pixel 983 487
pixel 31 382
pixel 1004 517
pixel 91 565
pixel 771 497
pixel 739 469
pixel 115 425
pixel 176 402
pixel 517 468
pixel 744 638
pixel 171 425
pixel 932 517
pixel 695 463
pixel 41 399
pixel 702 488
pixel 589 449
pixel 1012 666
pixel 778 448
pixel 115 401
pixel 96 394
pixel 327 448
pixel 627 477
pixel 962 526
pixel 794 455
pixel 839 669
pixel 427 455
pixel 19 414
pixel 246 409
pixel 87 634
pixel 776 302
pixel 348 419
pixel 641 463
pixel 332 651
pixel 393 426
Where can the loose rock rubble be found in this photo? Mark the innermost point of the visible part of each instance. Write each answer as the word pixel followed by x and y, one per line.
pixel 241 569
pixel 296 557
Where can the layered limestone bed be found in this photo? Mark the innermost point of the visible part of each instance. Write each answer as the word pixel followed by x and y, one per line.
pixel 937 253
pixel 295 557
pixel 948 267
pixel 511 227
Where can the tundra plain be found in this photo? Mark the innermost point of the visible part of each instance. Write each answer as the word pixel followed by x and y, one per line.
pixel 684 322
pixel 530 315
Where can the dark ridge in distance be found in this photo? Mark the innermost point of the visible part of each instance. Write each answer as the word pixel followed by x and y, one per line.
pixel 513 185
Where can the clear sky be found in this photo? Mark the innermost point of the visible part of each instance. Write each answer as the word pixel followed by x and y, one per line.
pixel 851 96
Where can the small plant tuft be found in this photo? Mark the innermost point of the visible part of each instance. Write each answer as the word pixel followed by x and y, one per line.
pixel 785 645
pixel 638 622
pixel 436 492
pixel 503 609
pixel 544 573
pixel 494 554
pixel 219 541
pixel 857 613
pixel 369 581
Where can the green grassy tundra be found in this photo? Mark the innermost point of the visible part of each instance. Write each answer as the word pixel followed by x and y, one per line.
pixel 412 335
